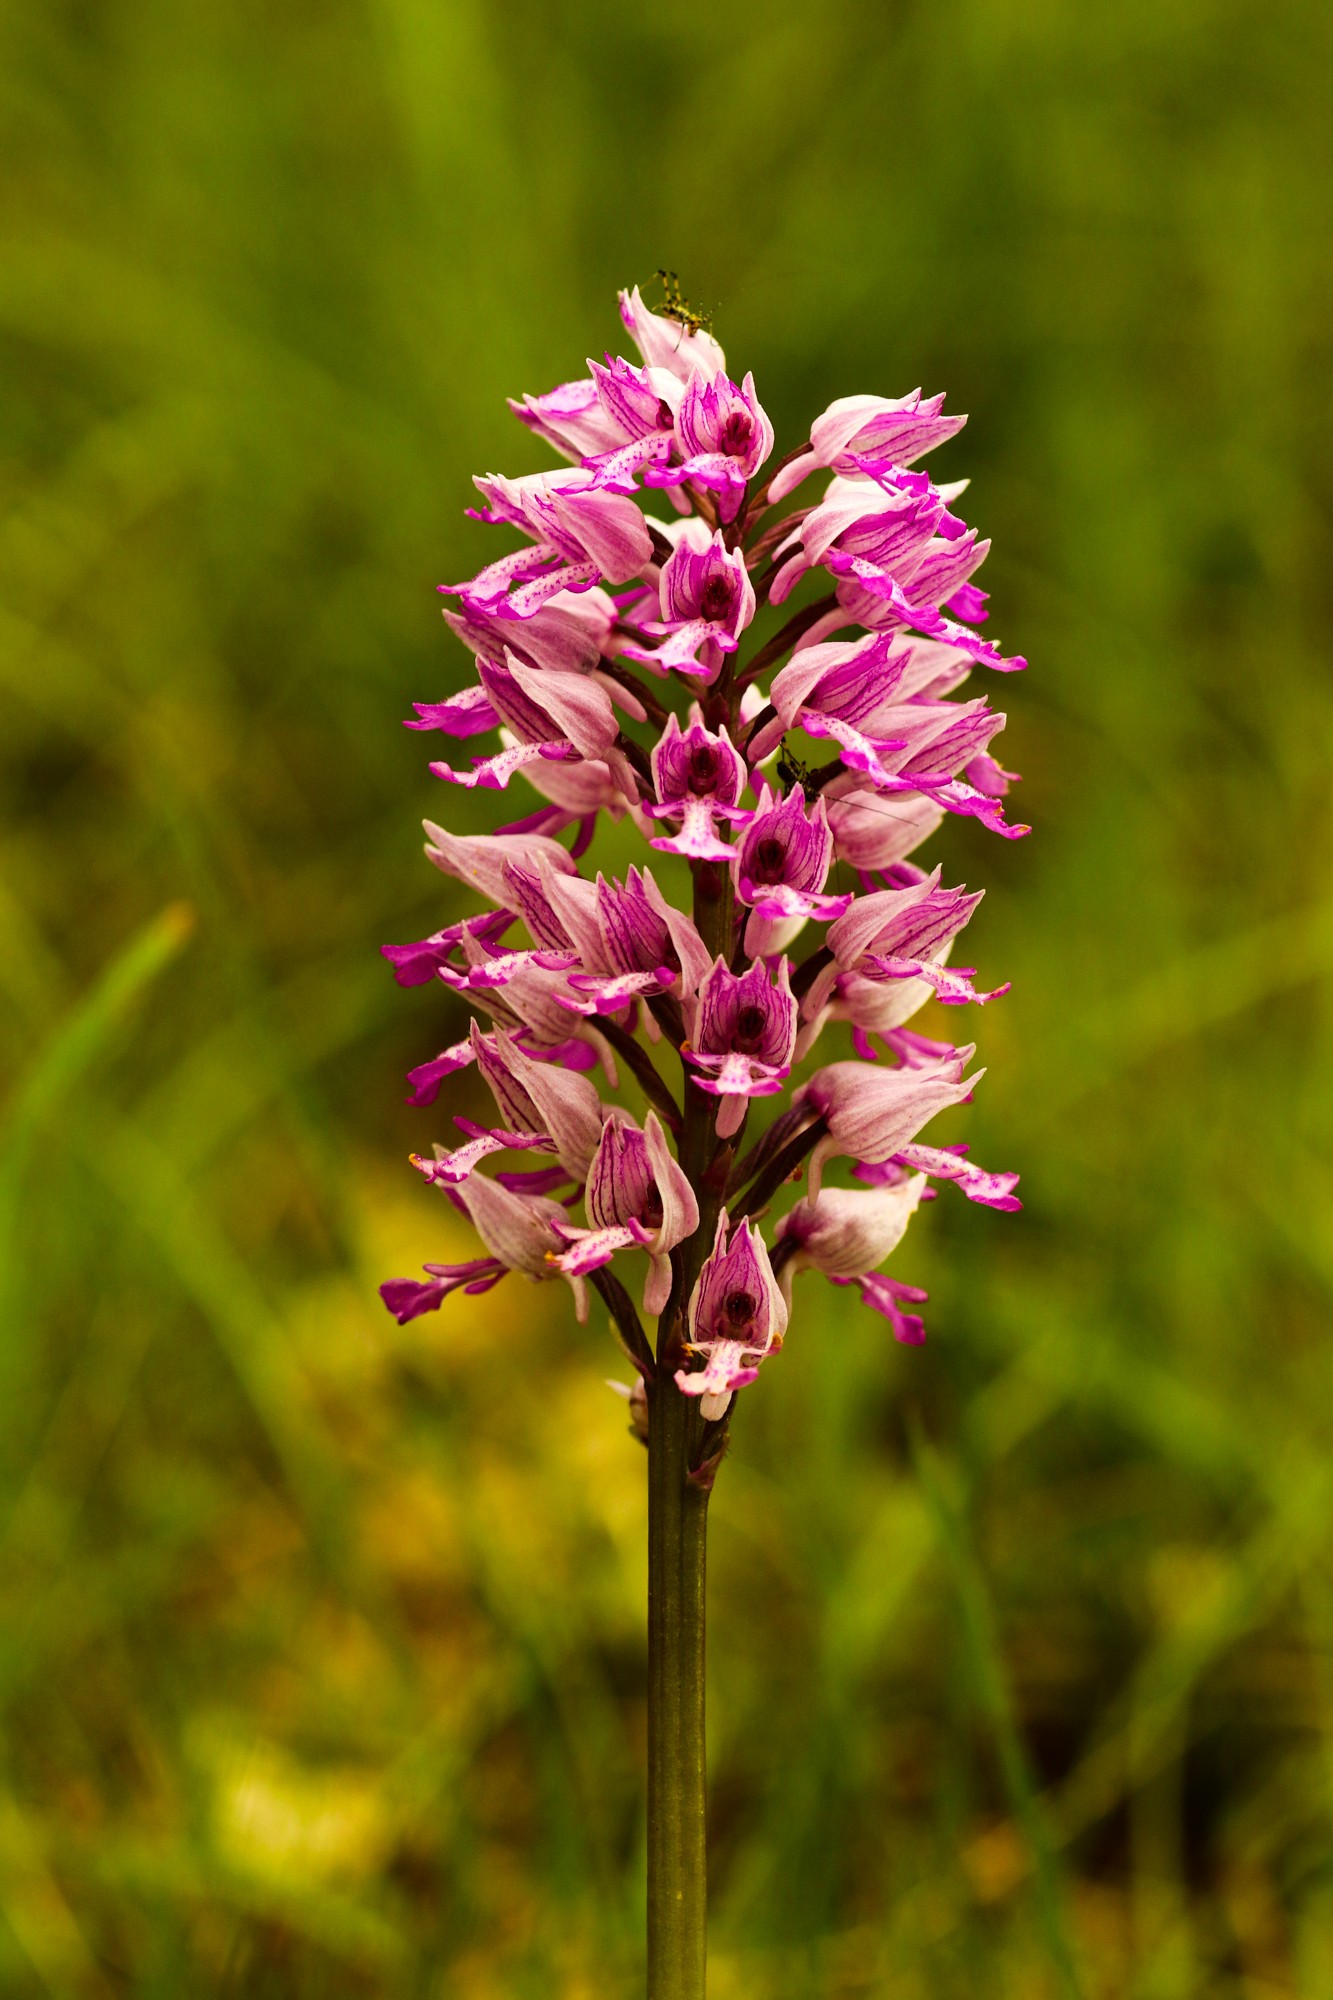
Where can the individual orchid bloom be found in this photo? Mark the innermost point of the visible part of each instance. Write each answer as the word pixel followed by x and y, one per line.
pixel 519 1230
pixel 581 536
pixel 846 1235
pixel 871 698
pixel 880 429
pixel 744 1033
pixel 879 994
pixel 916 584
pixel 935 742
pixel 882 605
pixel 576 793
pixel 900 932
pixel 699 776
pixel 938 739
pixel 566 513
pixel 779 867
pixel 887 958
pixel 526 1003
pixel 846 679
pixel 861 522
pixel 572 419
pixel 570 1108
pixel 614 423
pixel 580 1050
pixel 901 561
pixel 642 403
pixel 723 437
pixel 872 833
pixel 568 634
pixel 630 940
pixel 554 718
pixel 871 1114
pixel 879 1128
pixel 667 344
pixel 737 1316
pixel 601 418
pixel 522 1124
pixel 480 859
pixel 548 1098
pixel 636 1194
pixel 707 600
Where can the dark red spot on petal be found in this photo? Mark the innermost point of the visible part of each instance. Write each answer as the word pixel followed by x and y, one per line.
pixel 749 1034
pixel 703 770
pixel 719 595
pixel 770 859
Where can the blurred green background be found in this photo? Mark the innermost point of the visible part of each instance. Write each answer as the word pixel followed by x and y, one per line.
pixel 321 1642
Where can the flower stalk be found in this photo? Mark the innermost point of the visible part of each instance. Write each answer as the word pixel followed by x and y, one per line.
pixel 677 1534
pixel 610 657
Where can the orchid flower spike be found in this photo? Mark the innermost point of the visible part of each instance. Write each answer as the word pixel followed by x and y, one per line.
pixel 622 1026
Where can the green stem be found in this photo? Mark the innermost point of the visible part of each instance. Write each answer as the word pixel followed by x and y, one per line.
pixel 677 1524
pixel 677 1536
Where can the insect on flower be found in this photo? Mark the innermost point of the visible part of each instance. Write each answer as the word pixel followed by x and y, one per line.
pixel 675 306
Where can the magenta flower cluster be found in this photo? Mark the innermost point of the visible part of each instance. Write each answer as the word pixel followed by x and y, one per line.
pixel 609 660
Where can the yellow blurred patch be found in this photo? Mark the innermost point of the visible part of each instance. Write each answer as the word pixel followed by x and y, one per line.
pixel 292 1823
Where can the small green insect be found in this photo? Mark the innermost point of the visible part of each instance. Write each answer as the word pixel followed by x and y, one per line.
pixel 676 306
pixel 793 770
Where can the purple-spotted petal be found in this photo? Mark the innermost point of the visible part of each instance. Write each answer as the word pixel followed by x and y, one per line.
pixel 451 1169
pixel 991 1190
pixel 493 773
pixel 590 1249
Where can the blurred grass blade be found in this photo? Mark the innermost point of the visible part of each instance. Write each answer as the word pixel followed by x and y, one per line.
pixel 79 1039
pixel 71 1050
pixel 216 1279
pixel 992 1689
pixel 38 1911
